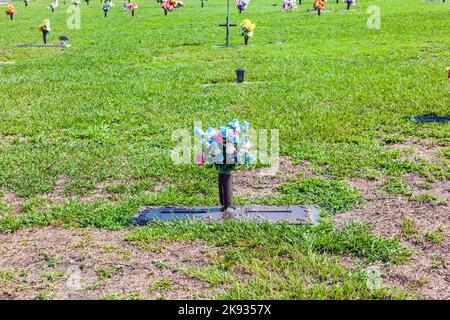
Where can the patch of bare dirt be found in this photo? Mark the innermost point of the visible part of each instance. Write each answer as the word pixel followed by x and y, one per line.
pixel 57 195
pixel 417 148
pixel 100 191
pixel 424 274
pixel 427 274
pixel 260 183
pixel 62 263
pixel 13 201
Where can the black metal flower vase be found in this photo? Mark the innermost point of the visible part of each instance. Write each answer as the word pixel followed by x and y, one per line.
pixel 53 10
pixel 11 17
pixel 165 12
pixel 87 2
pixel 132 13
pixel 240 75
pixel 106 14
pixel 318 11
pixel 348 6
pixel 246 40
pixel 26 4
pixel 225 190
pixel 45 36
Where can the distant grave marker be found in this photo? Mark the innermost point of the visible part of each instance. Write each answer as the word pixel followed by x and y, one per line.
pixel 63 39
pixel 39 45
pixel 430 118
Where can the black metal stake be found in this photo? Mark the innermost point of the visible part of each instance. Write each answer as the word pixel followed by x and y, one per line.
pixel 348 5
pixel 132 13
pixel 318 12
pixel 165 12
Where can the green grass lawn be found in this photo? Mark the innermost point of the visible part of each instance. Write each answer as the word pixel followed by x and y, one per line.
pixel 105 109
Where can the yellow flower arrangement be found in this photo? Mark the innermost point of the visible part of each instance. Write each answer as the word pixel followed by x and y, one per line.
pixel 10 10
pixel 248 25
pixel 320 4
pixel 44 26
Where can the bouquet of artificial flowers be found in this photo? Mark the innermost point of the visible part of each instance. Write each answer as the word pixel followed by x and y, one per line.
pixel 288 4
pixel 10 11
pixel 131 6
pixel 227 147
pixel 106 9
pixel 247 29
pixel 319 5
pixel 169 5
pixel 349 3
pixel 44 27
pixel 52 6
pixel 241 4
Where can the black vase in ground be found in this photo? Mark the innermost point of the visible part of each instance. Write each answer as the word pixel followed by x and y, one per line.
pixel 165 12
pixel 225 190
pixel 246 40
pixel 132 13
pixel 348 6
pixel 45 36
pixel 240 75
pixel 318 11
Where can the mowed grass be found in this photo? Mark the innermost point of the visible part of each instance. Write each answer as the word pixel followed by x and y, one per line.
pixel 105 110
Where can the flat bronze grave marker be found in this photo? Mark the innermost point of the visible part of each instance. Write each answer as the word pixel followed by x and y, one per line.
pixel 255 213
pixel 56 45
pixel 430 118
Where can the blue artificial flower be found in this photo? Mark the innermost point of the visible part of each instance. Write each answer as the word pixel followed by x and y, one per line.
pixel 210 133
pixel 224 131
pixel 234 124
pixel 198 132
pixel 249 158
pixel 219 158
pixel 234 139
pixel 244 126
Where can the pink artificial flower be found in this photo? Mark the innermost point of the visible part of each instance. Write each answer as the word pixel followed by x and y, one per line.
pixel 218 138
pixel 199 159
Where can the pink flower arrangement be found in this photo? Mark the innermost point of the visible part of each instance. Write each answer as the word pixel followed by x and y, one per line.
pixel 167 6
pixel 131 6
